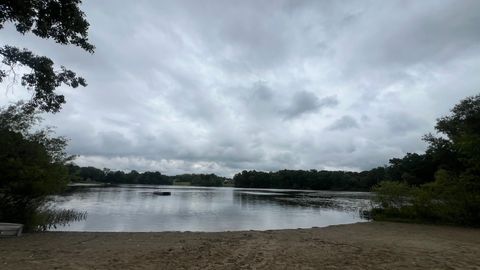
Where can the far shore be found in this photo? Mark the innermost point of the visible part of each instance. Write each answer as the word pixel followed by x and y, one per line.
pixel 371 245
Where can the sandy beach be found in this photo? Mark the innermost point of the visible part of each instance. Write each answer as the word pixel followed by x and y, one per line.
pixel 375 245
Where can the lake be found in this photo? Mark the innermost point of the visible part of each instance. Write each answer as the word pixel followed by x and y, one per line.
pixel 134 208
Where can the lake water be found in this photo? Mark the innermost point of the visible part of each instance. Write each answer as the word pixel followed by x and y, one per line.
pixel 134 208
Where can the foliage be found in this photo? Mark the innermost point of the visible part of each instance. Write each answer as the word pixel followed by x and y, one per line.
pixel 51 218
pixel 206 180
pixel 32 163
pixel 312 179
pixel 454 195
pixel 392 195
pixel 61 20
pixel 31 167
pixel 413 168
pixel 92 174
pixel 65 23
pixel 43 79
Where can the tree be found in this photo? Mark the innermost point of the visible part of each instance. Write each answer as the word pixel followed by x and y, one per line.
pixel 32 167
pixel 454 195
pixel 415 169
pixel 312 179
pixel 462 131
pixel 60 20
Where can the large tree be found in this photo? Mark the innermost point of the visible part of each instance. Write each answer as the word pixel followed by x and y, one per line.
pixel 32 167
pixel 459 148
pixel 60 20
pixel 454 195
pixel 32 161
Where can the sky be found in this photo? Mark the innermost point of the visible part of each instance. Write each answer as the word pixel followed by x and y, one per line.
pixel 225 86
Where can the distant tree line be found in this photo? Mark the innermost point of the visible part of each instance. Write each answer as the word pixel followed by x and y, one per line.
pixel 312 179
pixel 415 169
pixel 204 180
pixel 92 174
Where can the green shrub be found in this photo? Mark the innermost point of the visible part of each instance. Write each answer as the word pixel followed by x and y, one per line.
pixel 392 195
pixel 449 199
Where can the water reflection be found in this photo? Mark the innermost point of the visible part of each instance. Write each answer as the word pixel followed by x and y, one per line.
pixel 136 208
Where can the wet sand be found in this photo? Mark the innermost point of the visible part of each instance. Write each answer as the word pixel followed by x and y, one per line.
pixel 374 245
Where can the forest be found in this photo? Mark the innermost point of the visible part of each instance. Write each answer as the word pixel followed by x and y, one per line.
pixel 415 169
pixel 92 174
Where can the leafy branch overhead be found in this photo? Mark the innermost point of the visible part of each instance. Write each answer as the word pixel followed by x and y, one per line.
pixel 64 22
pixel 43 79
pixel 61 20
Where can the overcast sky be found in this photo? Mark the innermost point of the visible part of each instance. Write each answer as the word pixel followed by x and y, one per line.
pixel 224 86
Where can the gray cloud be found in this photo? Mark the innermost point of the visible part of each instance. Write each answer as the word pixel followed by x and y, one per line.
pixel 343 123
pixel 305 102
pixel 220 86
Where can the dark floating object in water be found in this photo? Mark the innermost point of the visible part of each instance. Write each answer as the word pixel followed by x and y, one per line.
pixel 11 229
pixel 162 193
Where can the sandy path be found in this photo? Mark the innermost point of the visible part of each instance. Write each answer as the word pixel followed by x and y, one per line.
pixel 374 245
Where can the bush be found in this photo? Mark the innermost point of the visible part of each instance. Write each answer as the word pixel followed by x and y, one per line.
pixel 449 200
pixel 392 195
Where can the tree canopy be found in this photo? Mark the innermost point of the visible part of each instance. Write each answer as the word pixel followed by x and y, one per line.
pixel 312 179
pixel 92 174
pixel 65 23
pixel 452 162
pixel 32 161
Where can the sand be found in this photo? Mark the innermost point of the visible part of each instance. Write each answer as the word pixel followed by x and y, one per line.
pixel 374 245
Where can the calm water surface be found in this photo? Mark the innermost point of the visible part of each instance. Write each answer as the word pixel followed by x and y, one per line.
pixel 136 209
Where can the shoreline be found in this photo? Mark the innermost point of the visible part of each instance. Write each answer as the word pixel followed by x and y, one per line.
pixel 372 245
pixel 201 232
